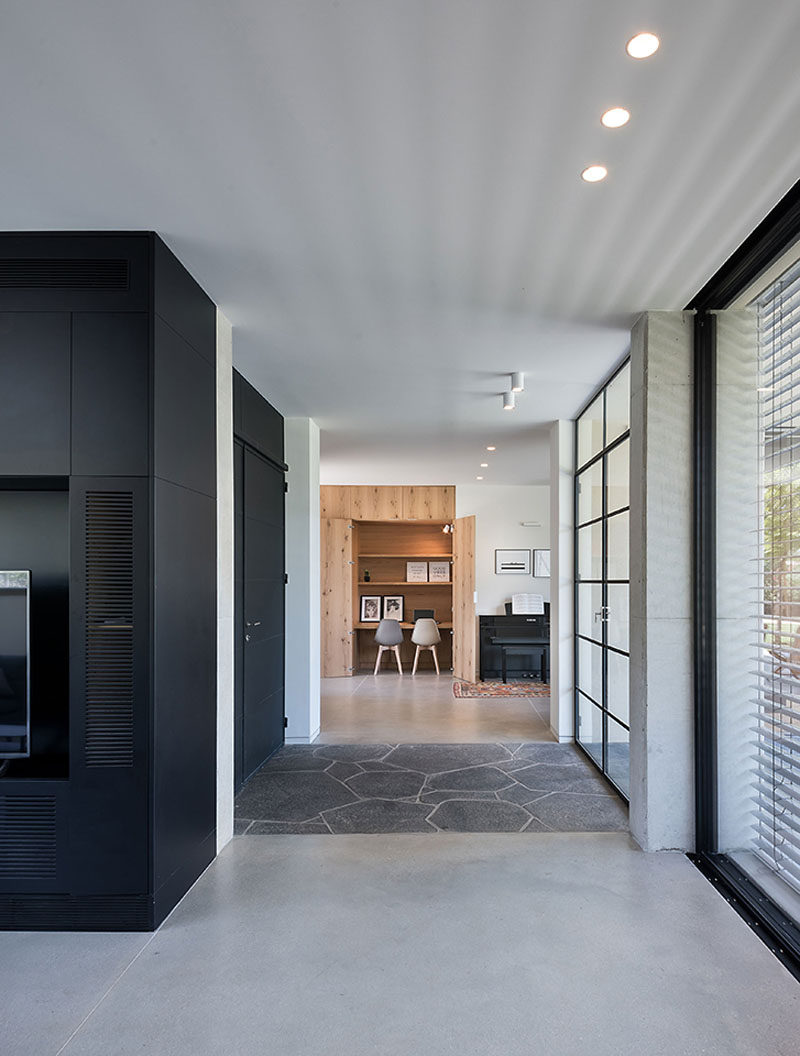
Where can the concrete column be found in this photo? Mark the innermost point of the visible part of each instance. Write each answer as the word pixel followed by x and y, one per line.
pixel 562 644
pixel 661 704
pixel 224 581
pixel 303 590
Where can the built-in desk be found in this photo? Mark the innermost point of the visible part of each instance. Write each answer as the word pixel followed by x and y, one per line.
pixel 515 647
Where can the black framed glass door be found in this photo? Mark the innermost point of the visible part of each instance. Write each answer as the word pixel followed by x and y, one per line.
pixel 602 579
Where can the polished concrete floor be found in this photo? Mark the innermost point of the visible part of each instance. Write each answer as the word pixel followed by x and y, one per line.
pixel 490 945
pixel 422 709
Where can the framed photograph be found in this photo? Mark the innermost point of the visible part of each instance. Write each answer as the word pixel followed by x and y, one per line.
pixel 393 607
pixel 541 563
pixel 371 608
pixel 512 562
pixel 416 571
pixel 438 571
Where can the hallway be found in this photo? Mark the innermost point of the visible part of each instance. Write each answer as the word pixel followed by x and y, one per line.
pixel 569 945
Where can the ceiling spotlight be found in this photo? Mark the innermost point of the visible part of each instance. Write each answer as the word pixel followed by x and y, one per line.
pixel 594 173
pixel 479 478
pixel 517 381
pixel 509 401
pixel 616 117
pixel 491 448
pixel 642 46
pixel 447 529
pixel 485 465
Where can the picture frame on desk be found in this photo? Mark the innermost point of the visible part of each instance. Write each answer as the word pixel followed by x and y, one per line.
pixel 371 608
pixel 416 571
pixel 438 571
pixel 393 607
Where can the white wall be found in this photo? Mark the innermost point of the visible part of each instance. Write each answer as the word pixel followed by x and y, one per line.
pixel 301 437
pixel 224 581
pixel 562 602
pixel 500 510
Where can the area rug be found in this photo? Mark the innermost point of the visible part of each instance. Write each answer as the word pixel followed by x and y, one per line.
pixel 500 689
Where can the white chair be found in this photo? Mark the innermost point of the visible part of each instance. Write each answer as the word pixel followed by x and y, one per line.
pixel 389 635
pixel 425 636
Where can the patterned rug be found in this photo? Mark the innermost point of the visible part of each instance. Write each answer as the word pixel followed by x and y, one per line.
pixel 500 689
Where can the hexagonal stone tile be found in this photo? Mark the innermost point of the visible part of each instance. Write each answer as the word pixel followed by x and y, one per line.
pixel 295 796
pixel 351 753
pixel 387 784
pixel 550 752
pixel 289 758
pixel 434 758
pixel 341 771
pixel 550 778
pixel 379 815
pixel 482 778
pixel 565 812
pixel 462 793
pixel 477 815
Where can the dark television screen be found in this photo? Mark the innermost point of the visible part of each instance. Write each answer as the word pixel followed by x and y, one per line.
pixel 14 664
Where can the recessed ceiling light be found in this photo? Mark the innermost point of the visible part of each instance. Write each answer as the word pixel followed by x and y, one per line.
pixel 485 465
pixel 642 46
pixel 594 173
pixel 479 478
pixel 491 448
pixel 616 117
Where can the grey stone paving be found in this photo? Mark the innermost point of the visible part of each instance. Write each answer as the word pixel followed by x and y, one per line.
pixel 385 788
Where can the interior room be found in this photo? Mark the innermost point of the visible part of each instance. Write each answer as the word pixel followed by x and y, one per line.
pixel 398 502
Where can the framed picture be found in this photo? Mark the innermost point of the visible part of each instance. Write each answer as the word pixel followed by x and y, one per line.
pixel 393 607
pixel 371 608
pixel 541 563
pixel 439 571
pixel 512 562
pixel 416 571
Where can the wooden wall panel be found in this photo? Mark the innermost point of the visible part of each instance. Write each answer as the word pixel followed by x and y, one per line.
pixel 336 575
pixel 465 631
pixel 368 503
pixel 429 503
pixel 334 501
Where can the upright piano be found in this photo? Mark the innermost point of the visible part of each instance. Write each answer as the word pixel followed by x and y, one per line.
pixel 523 642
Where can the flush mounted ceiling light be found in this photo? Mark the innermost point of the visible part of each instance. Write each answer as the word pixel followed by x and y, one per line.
pixel 642 46
pixel 484 465
pixel 491 448
pixel 509 401
pixel 479 478
pixel 594 173
pixel 517 381
pixel 616 117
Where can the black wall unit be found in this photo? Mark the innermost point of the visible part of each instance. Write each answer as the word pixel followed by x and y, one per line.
pixel 108 495
pixel 259 623
pixel 533 631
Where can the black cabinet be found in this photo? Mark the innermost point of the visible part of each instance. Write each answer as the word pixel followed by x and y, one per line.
pixel 108 378
pixel 526 640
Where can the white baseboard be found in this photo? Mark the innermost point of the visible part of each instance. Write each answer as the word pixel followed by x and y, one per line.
pixel 303 740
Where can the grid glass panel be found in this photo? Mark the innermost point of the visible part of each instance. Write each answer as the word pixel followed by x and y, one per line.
pixel 590 432
pixel 590 493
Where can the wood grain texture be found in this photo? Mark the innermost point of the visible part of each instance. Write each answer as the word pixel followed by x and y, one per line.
pixel 465 624
pixel 336 577
pixel 334 501
pixel 372 503
pixel 424 503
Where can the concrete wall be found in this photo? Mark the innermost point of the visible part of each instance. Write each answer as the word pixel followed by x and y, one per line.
pixel 224 581
pixel 662 735
pixel 301 437
pixel 562 657
pixel 500 510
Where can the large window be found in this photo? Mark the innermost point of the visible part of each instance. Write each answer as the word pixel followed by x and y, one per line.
pixel 602 579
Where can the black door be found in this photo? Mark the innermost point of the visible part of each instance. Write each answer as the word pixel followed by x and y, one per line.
pixel 259 610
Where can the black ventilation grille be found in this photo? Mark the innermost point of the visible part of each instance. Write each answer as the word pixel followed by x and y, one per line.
pixel 109 629
pixel 27 837
pixel 26 912
pixel 46 274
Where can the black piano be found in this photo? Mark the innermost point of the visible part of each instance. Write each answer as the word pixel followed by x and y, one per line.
pixel 516 647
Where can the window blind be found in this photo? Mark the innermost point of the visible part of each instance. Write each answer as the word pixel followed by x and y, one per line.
pixel 777 731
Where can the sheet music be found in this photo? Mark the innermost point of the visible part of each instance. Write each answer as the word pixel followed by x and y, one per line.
pixel 527 604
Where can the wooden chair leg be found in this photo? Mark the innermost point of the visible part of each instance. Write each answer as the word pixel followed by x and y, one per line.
pixel 397 657
pixel 435 659
pixel 378 661
pixel 416 660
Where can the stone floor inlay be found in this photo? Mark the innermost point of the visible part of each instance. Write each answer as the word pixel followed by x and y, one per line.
pixel 394 788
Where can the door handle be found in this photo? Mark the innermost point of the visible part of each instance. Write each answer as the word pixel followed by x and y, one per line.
pixel 247 637
pixel 255 623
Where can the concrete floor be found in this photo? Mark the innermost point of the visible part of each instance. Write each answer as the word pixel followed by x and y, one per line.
pixel 422 710
pixel 479 945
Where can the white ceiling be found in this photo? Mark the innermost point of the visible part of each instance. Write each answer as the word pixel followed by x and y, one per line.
pixel 384 195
